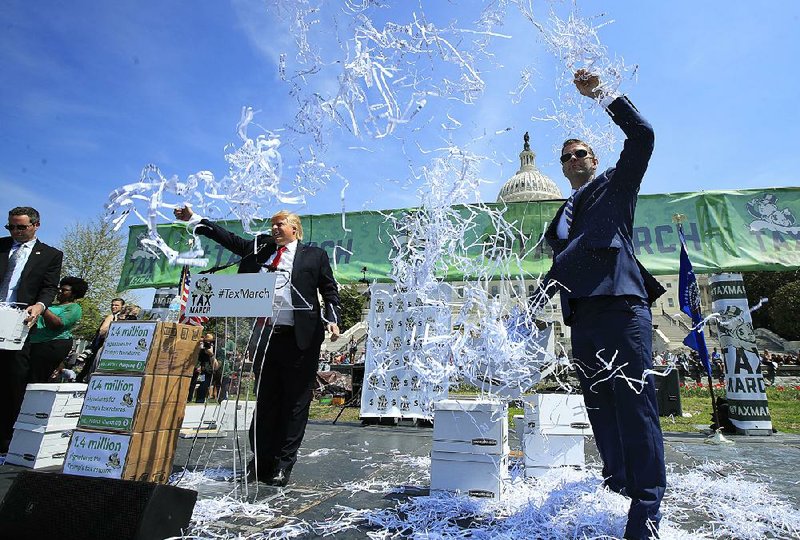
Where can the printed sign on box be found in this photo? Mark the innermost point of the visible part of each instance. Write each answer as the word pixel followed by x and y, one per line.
pixel 137 456
pixel 110 402
pixel 135 403
pixel 127 347
pixel 239 295
pixel 96 454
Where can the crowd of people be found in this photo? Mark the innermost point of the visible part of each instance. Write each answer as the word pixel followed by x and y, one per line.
pixel 352 354
pixel 691 368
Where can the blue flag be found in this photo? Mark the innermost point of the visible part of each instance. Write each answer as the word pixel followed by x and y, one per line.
pixel 689 300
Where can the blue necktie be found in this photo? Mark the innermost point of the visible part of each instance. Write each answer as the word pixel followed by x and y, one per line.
pixel 568 209
pixel 13 260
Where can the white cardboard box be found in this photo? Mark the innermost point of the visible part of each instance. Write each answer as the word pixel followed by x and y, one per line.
pixel 13 330
pixel 35 446
pixel 56 406
pixel 476 475
pixel 543 449
pixel 557 413
pixel 471 426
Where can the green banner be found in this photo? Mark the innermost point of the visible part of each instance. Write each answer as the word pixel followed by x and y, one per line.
pixel 733 231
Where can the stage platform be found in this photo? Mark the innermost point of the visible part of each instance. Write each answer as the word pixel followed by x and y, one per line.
pixel 347 468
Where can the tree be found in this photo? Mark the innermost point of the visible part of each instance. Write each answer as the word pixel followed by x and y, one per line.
pixel 783 309
pixel 93 251
pixel 765 285
pixel 353 303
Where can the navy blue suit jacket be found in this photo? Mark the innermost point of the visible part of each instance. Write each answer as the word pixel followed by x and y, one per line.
pixel 598 258
pixel 311 273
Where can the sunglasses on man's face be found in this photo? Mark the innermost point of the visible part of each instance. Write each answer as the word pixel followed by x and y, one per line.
pixel 17 227
pixel 580 154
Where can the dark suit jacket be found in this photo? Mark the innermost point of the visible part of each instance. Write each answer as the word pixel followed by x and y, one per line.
pixel 39 279
pixel 311 272
pixel 598 258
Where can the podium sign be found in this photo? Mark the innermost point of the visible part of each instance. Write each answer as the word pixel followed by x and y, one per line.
pixel 239 295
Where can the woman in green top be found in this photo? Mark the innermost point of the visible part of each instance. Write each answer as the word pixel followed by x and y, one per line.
pixel 51 341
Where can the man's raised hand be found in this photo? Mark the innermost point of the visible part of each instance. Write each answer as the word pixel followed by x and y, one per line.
pixel 183 214
pixel 587 83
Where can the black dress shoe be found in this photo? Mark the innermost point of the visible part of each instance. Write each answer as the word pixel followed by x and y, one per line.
pixel 280 478
pixel 263 473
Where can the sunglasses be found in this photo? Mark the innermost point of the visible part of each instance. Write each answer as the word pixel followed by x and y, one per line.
pixel 17 227
pixel 580 154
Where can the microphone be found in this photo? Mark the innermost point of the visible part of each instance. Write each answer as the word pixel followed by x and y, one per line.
pixel 216 269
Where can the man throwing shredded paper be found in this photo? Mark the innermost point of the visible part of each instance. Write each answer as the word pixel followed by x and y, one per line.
pixel 606 296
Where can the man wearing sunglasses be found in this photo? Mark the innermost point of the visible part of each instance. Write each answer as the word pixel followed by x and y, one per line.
pixel 29 272
pixel 605 297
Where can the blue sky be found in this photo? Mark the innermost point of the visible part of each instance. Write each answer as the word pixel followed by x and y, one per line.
pixel 91 92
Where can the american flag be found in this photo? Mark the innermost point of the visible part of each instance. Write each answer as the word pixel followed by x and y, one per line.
pixel 186 281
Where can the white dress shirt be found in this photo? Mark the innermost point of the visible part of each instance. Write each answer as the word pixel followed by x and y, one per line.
pixel 282 308
pixel 26 248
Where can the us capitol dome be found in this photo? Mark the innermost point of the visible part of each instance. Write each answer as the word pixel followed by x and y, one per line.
pixel 529 183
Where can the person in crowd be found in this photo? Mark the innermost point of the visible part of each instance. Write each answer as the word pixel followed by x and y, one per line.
pixel 89 355
pixel 222 369
pixel 285 348
pixel 67 375
pixel 193 382
pixel 205 363
pixel 52 340
pixel 606 296
pixel 29 272
pixel 227 368
pixel 129 312
pixel 117 305
pixel 352 347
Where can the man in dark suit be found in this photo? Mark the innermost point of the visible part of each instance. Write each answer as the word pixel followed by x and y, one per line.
pixel 29 272
pixel 606 296
pixel 285 348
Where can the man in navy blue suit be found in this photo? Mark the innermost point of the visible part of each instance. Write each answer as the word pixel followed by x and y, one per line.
pixel 605 297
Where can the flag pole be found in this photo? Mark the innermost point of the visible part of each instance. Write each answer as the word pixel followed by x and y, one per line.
pixel 701 341
pixel 692 308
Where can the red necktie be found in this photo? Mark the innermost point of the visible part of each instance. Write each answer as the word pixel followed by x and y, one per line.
pixel 271 267
pixel 274 264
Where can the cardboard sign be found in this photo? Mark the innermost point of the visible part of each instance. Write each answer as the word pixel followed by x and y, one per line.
pixel 240 295
pixel 145 457
pixel 97 454
pixel 111 402
pixel 140 348
pixel 135 403
pixel 127 346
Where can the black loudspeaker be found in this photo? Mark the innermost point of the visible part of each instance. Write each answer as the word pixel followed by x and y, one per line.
pixel 668 393
pixel 358 378
pixel 67 507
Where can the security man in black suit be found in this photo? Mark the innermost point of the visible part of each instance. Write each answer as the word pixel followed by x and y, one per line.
pixel 286 346
pixel 29 272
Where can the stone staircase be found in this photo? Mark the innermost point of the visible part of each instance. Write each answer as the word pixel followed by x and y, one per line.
pixel 357 331
pixel 673 328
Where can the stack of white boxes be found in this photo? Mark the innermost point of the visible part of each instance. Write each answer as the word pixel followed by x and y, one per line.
pixel 48 415
pixel 553 436
pixel 470 447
